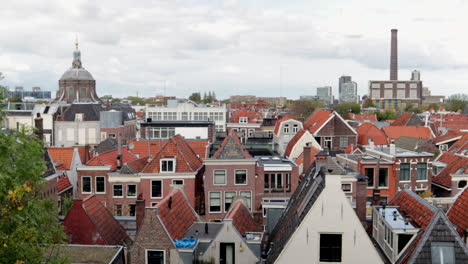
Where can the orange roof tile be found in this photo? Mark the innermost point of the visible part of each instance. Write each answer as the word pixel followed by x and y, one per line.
pixel 179 217
pixel 293 142
pixel 253 117
pixel 62 156
pixel 363 117
pixel 368 131
pixel 63 183
pixel 317 120
pixel 458 214
pixel 141 147
pixel 402 120
pixel 313 151
pixel 241 218
pixel 110 158
pixel 454 163
pixel 394 132
pixel 278 123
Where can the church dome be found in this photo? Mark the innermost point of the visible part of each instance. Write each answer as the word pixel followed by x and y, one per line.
pixel 77 74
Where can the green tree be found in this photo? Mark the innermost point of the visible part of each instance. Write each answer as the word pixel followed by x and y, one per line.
pixel 368 103
pixel 15 99
pixel 345 108
pixel 386 115
pixel 136 100
pixel 457 102
pixel 196 97
pixel 304 108
pixel 28 223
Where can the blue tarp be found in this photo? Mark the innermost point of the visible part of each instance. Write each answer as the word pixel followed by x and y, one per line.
pixel 185 242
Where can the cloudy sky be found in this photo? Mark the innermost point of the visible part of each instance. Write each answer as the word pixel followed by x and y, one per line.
pixel 260 47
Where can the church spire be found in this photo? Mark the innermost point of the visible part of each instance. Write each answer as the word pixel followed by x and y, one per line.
pixel 76 56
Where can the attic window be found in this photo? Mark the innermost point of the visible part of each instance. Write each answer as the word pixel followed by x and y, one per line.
pixel 243 119
pixel 442 253
pixel 330 247
pixel 168 165
pixel 461 184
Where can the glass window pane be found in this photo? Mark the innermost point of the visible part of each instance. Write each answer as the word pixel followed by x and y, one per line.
pixel 131 190
pixel 241 177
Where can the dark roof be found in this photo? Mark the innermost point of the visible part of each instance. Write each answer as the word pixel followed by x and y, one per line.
pixel 241 218
pixel 301 202
pixel 458 214
pixel 197 230
pixel 86 253
pixel 231 148
pixel 90 111
pixel 408 119
pixel 415 144
pixel 50 170
pixel 106 145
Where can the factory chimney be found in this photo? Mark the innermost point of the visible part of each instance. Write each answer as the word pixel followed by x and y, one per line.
pixel 394 56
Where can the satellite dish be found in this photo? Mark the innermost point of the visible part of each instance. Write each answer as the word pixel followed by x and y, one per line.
pixel 131 146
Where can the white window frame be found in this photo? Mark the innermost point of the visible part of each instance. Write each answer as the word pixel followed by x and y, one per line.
pixel 149 249
pixel 173 165
pixel 286 129
pixel 342 139
pixel 113 191
pixel 136 191
pixel 162 190
pixel 214 177
pixel 95 184
pixel 427 172
pixel 251 200
pixel 243 119
pixel 295 128
pixel 183 182
pixel 326 139
pixel 350 189
pixel 246 177
pixel 220 202
pixel 90 184
pixel 224 199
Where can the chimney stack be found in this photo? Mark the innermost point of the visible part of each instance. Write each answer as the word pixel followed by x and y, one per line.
pixel 394 56
pixel 139 210
pixel 307 158
pixel 39 124
pixel 361 196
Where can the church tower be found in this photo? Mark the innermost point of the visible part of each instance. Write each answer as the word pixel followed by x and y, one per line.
pixel 77 84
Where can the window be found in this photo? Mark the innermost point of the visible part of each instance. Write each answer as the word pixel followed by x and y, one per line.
pixel 70 92
pixel 383 177
pixel 82 92
pixel 170 116
pixel 228 197
pixel 86 184
pixel 118 192
pixel 288 182
pixel 118 210
pixel 404 172
pixel 100 184
pixel 131 210
pixel 215 202
pixel 167 165
pixel 185 116
pixel 248 196
pixel 346 187
pixel 242 119
pixel 267 181
pixel 251 132
pixel 461 184
pixel 421 172
pixel 178 182
pixel 369 172
pixel 330 247
pixel 156 189
pixel 343 141
pixel 241 177
pixel 277 181
pixel 160 132
pixel 286 128
pixel 295 129
pixel 327 142
pixel 131 190
pixel 219 177
pixel 155 256
pixel 442 253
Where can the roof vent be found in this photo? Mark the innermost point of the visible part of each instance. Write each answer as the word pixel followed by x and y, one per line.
pixel 170 202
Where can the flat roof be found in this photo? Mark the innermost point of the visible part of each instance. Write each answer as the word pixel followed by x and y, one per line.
pixel 394 218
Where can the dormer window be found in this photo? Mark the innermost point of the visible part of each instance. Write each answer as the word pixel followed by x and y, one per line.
pixel 168 165
pixel 286 129
pixel 295 129
pixel 243 119
pixel 79 117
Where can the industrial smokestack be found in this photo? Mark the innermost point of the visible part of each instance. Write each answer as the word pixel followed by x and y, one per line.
pixel 394 56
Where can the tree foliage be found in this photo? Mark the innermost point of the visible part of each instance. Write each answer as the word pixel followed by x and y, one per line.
pixel 136 100
pixel 457 102
pixel 28 223
pixel 304 108
pixel 386 115
pixel 196 97
pixel 345 108
pixel 368 103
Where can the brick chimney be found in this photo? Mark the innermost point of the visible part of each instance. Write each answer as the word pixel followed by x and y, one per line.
pixel 394 56
pixel 361 195
pixel 307 158
pixel 139 210
pixel 39 124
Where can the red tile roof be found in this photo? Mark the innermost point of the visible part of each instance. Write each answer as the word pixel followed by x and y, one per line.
pixel 364 117
pixel 139 164
pixel 313 151
pixel 460 145
pixel 368 131
pixel 141 147
pixel 90 223
pixel 402 120
pixel 232 134
pixel 454 163
pixel 63 183
pixel 253 106
pixel 110 158
pixel 278 124
pixel 175 147
pixel 253 117
pixel 394 132
pixel 241 218
pixel 449 136
pixel 179 217
pixel 458 214
pixel 317 120
pixel 293 142
pixel 62 156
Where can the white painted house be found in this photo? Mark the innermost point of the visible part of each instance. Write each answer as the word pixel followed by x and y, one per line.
pixel 285 130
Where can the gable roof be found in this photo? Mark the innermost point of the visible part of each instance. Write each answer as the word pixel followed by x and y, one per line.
pixel 301 202
pixel 460 145
pixel 143 148
pixel 63 156
pixel 90 112
pixel 317 120
pixel 179 217
pixel 231 148
pixel 394 132
pixel 293 142
pixel 458 214
pixel 415 144
pixel 175 147
pixel 368 131
pixel 106 145
pixel 135 166
pixel 89 222
pixel 408 119
pixel 450 136
pixel 63 183
pixel 278 123
pixel 454 163
pixel 363 117
pixel 110 158
pixel 241 217
pixel 253 117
